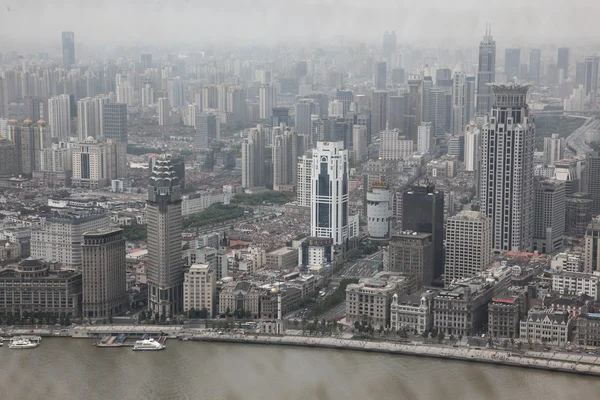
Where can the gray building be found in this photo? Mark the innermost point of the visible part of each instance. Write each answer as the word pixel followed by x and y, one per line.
pixel 395 115
pixel 411 253
pixel 115 122
pixel 549 215
pixel 206 130
pixel 104 274
pixel 578 214
pixel 512 62
pixel 563 61
pixel 535 62
pixel 68 48
pixel 380 76
pixel 486 74
pixel 165 263
pixel 304 109
pixel 379 109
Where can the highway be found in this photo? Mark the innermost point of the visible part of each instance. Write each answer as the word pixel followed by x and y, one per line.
pixel 576 140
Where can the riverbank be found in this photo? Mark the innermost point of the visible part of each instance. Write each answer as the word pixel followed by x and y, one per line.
pixel 559 362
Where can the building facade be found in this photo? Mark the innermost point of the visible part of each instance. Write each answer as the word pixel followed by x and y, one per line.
pixel 200 289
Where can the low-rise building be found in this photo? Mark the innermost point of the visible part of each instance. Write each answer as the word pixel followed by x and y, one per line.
pixel 570 262
pixel 575 283
pixel 269 300
pixel 199 288
pixel 412 312
pixel 283 258
pixel 35 286
pixel 505 312
pixel 240 296
pixel 588 330
pixel 547 326
pixel 369 300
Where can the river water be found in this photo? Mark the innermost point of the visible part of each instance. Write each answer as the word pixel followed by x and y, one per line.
pixel 68 369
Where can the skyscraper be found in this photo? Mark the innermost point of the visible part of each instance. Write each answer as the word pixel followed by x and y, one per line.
pixel 458 102
pixel 563 61
pixel 506 179
pixel 95 163
pixel 437 109
pixel 104 273
pixel 379 111
pixel 59 116
pixel 380 76
pixel 395 114
pixel 68 48
pixel 389 45
pixel 207 127
pixel 285 159
pixel 304 181
pixel 4 102
pixel 486 74
pixel 554 149
pixel 146 61
pixel 549 215
pixel 164 111
pixel 411 253
pixel 591 77
pixel 359 142
pixel 535 65
pixel 304 109
pixel 593 183
pixel 253 159
pixel 468 245
pixel 472 140
pixel 423 211
pixel 413 112
pixel 267 100
pixel 165 262
pixel 329 213
pixel 512 61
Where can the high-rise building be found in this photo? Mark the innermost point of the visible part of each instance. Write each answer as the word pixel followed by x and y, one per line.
pixel 379 111
pixel 394 146
pixel 468 245
pixel 423 211
pixel 506 178
pixel 398 76
pixel 305 108
pixel 470 99
pixel 486 74
pixel 389 45
pixel 359 142
pixel 411 253
pixel 267 100
pixel 437 110
pixel 147 95
pixel 458 102
pixel 95 163
pixel 304 181
pixel 554 149
pixel 200 289
pixel 395 114
pixel 164 111
pixel 207 130
pixel 176 92
pixel 535 65
pixel 443 78
pixel 253 160
pixel 591 261
pixel 90 117
pixel 512 61
pixel 593 183
pixel 346 97
pixel 29 139
pixel 472 140
pixel 33 108
pixel 68 48
pixel 59 116
pixel 8 159
pixel 104 273
pixel 549 216
pixel 4 99
pixel 60 238
pixel 413 111
pixel 578 214
pixel 236 103
pixel 591 77
pixel 330 202
pixel 580 73
pixel 380 76
pixel 425 138
pixel 165 262
pixel 562 62
pixel 379 211
pixel 146 61
pixel 115 121
pixel 285 159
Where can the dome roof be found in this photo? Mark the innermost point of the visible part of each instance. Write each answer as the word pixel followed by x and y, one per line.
pixel 27 122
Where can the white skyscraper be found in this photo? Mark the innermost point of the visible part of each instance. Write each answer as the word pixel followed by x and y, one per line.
pixel 266 95
pixel 424 137
pixel 90 114
pixel 126 94
pixel 253 161
pixel 304 181
pixel 329 206
pixel 554 149
pixel 458 102
pixel 164 111
pixel 472 140
pixel 176 92
pixel 285 159
pixel 359 142
pixel 506 178
pixel 59 116
pixel 468 245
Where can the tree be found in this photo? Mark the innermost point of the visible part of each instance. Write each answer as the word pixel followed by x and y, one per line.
pixel 381 328
pixel 519 345
pixel 434 333
pixel 512 342
pixel 357 326
pixel 110 319
pixel 441 337
pixel 452 338
pixel 425 334
pixel 228 312
pixel 142 316
pixel 192 313
pixel 490 342
pixel 530 343
pixel 505 344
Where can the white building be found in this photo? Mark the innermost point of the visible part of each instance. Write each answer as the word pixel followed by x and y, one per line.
pixel 576 101
pixel 126 94
pixel 196 202
pixel 147 95
pixel 164 111
pixel 336 109
pixel 267 100
pixel 468 245
pixel 394 146
pixel 304 181
pixel 424 136
pixel 506 179
pixel 90 115
pixel 575 283
pixel 472 142
pixel 199 289
pixel 567 262
pixel 412 312
pixel 59 116
pixel 379 212
pixel 554 149
pixel 95 163
pixel 459 97
pixel 546 326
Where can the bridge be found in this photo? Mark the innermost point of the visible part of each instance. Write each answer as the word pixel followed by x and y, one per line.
pixel 572 114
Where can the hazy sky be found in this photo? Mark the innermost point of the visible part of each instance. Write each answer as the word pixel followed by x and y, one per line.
pixel 430 22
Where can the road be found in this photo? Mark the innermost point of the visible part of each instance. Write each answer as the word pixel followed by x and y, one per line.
pixel 363 268
pixel 576 140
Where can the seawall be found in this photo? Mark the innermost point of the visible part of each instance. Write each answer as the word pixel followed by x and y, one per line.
pixel 559 362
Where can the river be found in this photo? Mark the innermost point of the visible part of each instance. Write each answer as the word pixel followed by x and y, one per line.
pixel 73 369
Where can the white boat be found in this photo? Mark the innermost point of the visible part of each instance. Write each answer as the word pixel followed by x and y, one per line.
pixel 148 345
pixel 20 343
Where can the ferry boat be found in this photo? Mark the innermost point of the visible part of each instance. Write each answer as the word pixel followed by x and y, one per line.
pixel 21 343
pixel 148 345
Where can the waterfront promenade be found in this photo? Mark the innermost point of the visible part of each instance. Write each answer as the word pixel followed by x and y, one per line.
pixel 570 362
